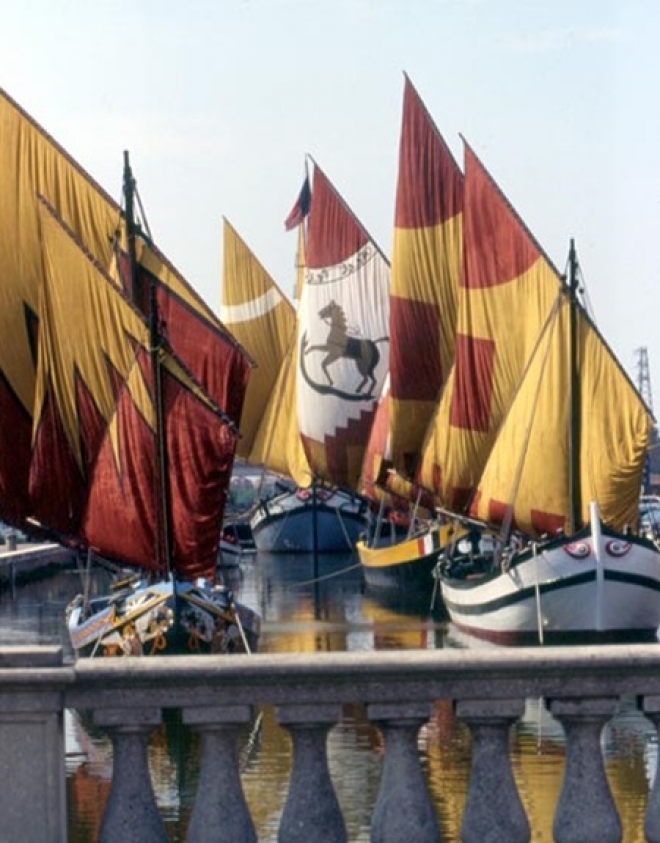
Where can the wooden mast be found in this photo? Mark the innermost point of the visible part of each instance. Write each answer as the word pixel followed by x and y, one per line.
pixel 575 420
pixel 162 548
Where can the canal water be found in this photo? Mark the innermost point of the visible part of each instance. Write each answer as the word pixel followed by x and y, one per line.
pixel 309 606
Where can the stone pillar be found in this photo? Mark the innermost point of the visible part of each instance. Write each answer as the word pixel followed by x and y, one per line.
pixel 131 814
pixel 493 809
pixel 32 771
pixel 586 809
pixel 312 811
pixel 403 812
pixel 221 813
pixel 651 708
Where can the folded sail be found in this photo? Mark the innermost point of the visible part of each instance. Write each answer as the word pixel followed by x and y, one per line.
pixel 426 268
pixel 343 352
pixel 94 472
pixel 263 321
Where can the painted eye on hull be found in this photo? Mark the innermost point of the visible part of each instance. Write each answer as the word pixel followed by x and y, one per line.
pixel 578 550
pixel 617 547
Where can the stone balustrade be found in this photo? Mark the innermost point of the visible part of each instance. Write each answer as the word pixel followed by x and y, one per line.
pixel 216 695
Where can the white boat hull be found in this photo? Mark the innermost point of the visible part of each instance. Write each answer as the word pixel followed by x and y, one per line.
pixel 584 587
pixel 285 523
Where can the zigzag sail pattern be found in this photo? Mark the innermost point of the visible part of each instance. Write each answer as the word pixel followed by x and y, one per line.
pixel 343 352
pixel 32 163
pixel 94 472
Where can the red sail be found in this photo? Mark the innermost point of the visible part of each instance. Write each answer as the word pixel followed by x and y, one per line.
pixel 31 164
pixel 95 473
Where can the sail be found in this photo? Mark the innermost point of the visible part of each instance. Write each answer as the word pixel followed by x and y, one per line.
pixel 32 163
pixel 425 275
pixel 500 444
pixel 95 465
pixel 263 321
pixel 507 292
pixel 343 352
pixel 526 483
pixel 278 444
pixel 195 333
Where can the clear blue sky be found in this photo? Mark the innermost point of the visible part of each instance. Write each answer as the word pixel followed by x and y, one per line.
pixel 219 100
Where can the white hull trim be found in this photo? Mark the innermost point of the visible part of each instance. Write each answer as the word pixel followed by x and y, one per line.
pixel 583 586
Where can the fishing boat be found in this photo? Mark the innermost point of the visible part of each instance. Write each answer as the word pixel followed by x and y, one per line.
pixel 545 439
pixel 236 541
pixel 426 267
pixel 315 518
pixel 125 426
pixel 314 426
pixel 263 320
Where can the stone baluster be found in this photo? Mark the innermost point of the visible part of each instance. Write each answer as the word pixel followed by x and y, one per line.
pixel 311 811
pixel 33 794
pixel 403 812
pixel 220 813
pixel 651 707
pixel 493 808
pixel 131 814
pixel 586 809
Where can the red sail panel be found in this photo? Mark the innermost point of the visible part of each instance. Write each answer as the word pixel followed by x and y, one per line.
pixel 195 334
pixel 97 425
pixel 508 291
pixel 426 268
pixel 343 343
pixel 31 163
pixel 120 517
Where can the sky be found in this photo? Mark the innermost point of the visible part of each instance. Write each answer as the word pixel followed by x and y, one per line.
pixel 219 101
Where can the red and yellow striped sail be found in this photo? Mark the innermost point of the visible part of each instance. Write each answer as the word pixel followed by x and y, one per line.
pixel 31 163
pixel 426 269
pixel 94 471
pixel 500 441
pixel 343 352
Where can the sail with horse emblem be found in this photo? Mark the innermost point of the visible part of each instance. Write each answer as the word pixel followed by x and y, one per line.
pixel 341 360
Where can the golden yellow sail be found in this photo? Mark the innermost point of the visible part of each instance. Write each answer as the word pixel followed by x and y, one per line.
pixel 263 320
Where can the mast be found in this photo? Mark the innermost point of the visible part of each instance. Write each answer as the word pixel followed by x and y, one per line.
pixel 575 398
pixel 162 549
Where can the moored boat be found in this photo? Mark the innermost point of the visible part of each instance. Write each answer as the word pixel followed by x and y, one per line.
pixel 128 390
pixel 426 267
pixel 553 443
pixel 320 518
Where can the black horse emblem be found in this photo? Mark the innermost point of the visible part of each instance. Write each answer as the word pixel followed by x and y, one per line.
pixel 339 345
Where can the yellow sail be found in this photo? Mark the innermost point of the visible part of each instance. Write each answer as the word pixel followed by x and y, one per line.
pixel 502 441
pixel 263 320
pixel 426 268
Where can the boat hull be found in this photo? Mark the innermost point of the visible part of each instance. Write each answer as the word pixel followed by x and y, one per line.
pixel 406 563
pixel 603 587
pixel 285 523
pixel 165 617
pixel 236 541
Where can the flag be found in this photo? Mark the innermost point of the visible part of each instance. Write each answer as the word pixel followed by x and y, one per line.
pixel 300 208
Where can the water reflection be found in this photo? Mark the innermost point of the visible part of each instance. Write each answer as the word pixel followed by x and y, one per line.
pixel 312 605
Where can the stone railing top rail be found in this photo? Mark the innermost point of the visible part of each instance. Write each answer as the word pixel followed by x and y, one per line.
pixel 402 675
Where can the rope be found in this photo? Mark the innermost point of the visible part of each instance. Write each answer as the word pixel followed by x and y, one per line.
pixel 325 577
